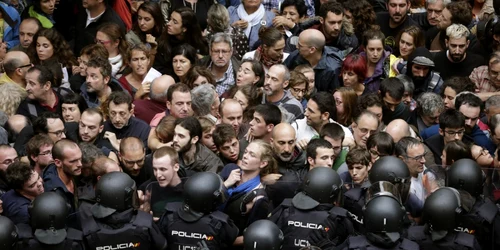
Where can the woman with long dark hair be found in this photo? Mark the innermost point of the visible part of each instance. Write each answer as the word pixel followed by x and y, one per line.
pixel 148 27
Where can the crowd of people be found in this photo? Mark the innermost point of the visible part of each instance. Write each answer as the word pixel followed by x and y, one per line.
pixel 252 124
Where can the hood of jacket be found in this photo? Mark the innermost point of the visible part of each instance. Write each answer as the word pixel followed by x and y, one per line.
pixel 419 52
pixel 379 68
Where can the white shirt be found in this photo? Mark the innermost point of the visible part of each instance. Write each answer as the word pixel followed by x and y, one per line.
pixel 417 187
pixel 92 19
pixel 304 131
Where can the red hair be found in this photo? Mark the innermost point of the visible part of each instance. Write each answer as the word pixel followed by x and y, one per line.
pixel 357 64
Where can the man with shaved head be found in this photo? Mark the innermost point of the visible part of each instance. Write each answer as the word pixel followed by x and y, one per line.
pixel 231 113
pixel 291 164
pixel 15 65
pixel 146 109
pixel 326 61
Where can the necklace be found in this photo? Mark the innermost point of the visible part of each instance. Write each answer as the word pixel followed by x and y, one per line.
pixel 193 5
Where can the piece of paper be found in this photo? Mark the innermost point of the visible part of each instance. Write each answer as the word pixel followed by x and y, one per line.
pixel 151 75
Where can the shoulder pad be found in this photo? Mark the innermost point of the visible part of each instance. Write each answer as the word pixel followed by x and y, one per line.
pixel 338 211
pixel 359 241
pixel 409 245
pixel 465 239
pixel 416 233
pixel 24 231
pixel 74 234
pixel 287 203
pixel 173 206
pixel 220 216
pixel 488 210
pixel 354 194
pixel 143 219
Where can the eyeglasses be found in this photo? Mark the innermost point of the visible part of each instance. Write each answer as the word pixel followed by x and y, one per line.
pixel 483 151
pixel 453 133
pixel 102 42
pixel 224 52
pixel 27 65
pixel 45 153
pixel 416 158
pixel 132 163
pixel 58 133
pixel 297 90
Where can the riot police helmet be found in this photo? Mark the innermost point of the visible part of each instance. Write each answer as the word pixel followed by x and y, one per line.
pixel 203 192
pixel 441 211
pixel 384 215
pixel 48 215
pixel 466 175
pixel 262 235
pixel 8 233
pixel 393 170
pixel 114 192
pixel 321 185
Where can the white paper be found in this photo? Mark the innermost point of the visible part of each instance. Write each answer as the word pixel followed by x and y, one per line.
pixel 151 75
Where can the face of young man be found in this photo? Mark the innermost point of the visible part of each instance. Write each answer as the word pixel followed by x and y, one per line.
pixel 182 141
pixel 230 150
pixel 324 158
pixel 164 170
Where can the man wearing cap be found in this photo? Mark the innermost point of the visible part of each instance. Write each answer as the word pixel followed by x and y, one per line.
pixel 420 69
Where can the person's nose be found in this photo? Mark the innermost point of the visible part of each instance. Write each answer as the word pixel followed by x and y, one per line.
pixel 63 135
pixel 457 137
pixel 329 162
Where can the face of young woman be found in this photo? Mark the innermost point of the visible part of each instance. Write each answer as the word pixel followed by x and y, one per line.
pixel 139 62
pixel 181 65
pixel 174 25
pixel 44 48
pixel 245 75
pixel 406 45
pixel 374 51
pixel 145 21
pixel 110 45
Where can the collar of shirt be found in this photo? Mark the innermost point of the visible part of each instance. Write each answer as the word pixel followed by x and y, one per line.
pixel 92 19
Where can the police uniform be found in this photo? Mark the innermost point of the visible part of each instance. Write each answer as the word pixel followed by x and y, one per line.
pixel 215 229
pixel 483 222
pixel 362 243
pixel 354 200
pixel 297 224
pixel 452 240
pixel 27 241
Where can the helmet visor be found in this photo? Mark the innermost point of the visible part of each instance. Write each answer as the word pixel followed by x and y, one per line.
pixel 383 188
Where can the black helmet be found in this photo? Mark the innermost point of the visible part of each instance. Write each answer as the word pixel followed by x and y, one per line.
pixel 441 209
pixel 202 194
pixel 48 213
pixel 321 185
pixel 8 233
pixel 465 174
pixel 384 214
pixel 262 235
pixel 393 170
pixel 114 192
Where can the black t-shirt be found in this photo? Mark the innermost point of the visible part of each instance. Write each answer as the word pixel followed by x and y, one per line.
pixel 391 33
pixel 160 196
pixel 448 69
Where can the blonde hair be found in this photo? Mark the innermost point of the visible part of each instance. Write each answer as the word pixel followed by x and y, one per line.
pixel 266 154
pixel 11 95
pixel 457 31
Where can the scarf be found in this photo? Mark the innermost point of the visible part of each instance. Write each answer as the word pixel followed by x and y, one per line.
pixel 245 187
pixel 116 64
pixel 264 59
pixel 252 19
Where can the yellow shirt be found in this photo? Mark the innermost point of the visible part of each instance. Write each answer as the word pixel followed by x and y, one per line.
pixel 4 78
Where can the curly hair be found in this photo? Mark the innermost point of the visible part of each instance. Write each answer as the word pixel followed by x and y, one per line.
pixel 363 16
pixel 461 12
pixel 61 50
pixel 11 95
pixel 218 18
pixel 154 10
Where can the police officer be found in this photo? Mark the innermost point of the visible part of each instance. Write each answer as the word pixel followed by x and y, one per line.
pixel 48 225
pixel 262 235
pixel 196 219
pixel 483 220
pixel 383 217
pixel 387 168
pixel 310 208
pixel 115 222
pixel 442 211
pixel 8 234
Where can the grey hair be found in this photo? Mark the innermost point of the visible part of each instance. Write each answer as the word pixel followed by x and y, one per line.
pixel 286 74
pixel 493 101
pixel 159 97
pixel 429 103
pixel 445 2
pixel 457 31
pixel 221 37
pixel 407 82
pixel 404 144
pixel 203 97
pixel 90 152
pixel 218 18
